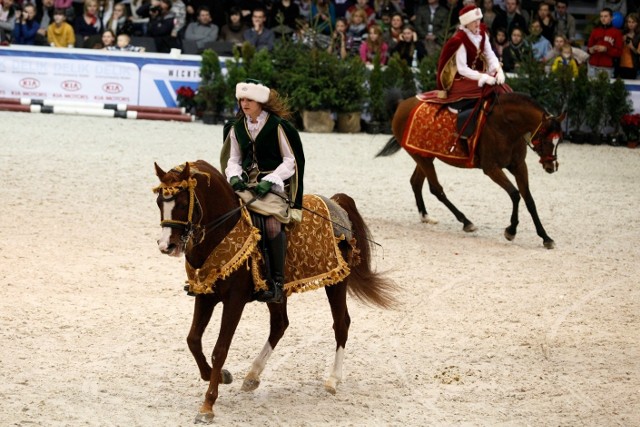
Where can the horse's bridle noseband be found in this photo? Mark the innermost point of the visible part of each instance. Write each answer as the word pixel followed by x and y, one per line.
pixel 170 193
pixel 535 141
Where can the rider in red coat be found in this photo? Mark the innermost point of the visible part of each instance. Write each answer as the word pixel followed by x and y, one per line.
pixel 467 62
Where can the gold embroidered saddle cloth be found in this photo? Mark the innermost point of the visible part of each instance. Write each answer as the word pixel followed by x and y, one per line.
pixel 431 132
pixel 313 257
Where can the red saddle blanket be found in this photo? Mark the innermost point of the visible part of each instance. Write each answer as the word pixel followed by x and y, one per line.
pixel 432 132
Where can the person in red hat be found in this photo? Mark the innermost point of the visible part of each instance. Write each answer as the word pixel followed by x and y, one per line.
pixel 467 63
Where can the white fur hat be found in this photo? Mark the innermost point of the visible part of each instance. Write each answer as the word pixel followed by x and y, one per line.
pixel 253 90
pixel 469 13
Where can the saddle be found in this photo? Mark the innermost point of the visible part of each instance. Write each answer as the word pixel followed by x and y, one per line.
pixel 434 131
pixel 313 260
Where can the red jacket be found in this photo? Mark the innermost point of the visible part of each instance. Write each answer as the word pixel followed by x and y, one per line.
pixel 611 38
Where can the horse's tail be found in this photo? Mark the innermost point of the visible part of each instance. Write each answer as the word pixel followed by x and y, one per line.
pixel 365 284
pixel 392 147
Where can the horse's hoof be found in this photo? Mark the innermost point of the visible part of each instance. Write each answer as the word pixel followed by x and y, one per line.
pixel 549 244
pixel 330 385
pixel 204 418
pixel 250 384
pixel 509 236
pixel 428 219
pixel 227 378
pixel 469 228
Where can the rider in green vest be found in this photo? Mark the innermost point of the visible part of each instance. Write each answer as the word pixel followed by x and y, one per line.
pixel 262 156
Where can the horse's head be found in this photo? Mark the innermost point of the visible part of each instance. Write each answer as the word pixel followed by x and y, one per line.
pixel 179 208
pixel 545 141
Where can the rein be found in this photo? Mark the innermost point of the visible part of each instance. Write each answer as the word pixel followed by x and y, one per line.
pixel 188 227
pixel 531 139
pixel 292 205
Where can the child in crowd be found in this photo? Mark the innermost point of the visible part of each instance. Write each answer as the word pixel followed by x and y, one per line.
pixel 60 32
pixel 123 43
pixel 566 60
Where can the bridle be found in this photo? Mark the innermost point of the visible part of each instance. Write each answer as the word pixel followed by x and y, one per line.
pixel 537 138
pixel 189 228
pixel 169 193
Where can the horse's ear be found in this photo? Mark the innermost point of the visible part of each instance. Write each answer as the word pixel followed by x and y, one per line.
pixel 562 116
pixel 186 173
pixel 159 172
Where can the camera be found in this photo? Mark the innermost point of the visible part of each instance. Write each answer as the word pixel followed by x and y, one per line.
pixel 155 9
pixel 627 39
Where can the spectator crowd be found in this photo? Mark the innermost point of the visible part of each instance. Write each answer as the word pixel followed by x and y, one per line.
pixel 369 29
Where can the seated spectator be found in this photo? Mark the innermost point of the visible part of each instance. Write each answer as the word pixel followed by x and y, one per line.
pixel 409 48
pixel 540 46
pixel 203 31
pixel 605 46
pixel 234 29
pixel 88 26
pixel 546 21
pixel 258 35
pixel 339 41
pixel 123 44
pixel 161 22
pixel 516 52
pixel 614 5
pixel 370 14
pixel 511 19
pixel 44 17
pixel 66 6
pixel 374 46
pixel 26 27
pixel 60 32
pixel 565 22
pixel 559 41
pixel 499 42
pixel 105 10
pixel 108 40
pixel 120 22
pixel 357 31
pixel 392 35
pixel 565 60
pixel 432 20
pixel 7 20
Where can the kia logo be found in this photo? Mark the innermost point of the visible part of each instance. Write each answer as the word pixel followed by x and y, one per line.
pixel 30 83
pixel 112 87
pixel 71 85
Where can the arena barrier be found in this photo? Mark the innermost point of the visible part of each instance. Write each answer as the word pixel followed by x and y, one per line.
pixel 98 110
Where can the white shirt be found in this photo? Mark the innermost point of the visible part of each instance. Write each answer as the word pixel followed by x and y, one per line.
pixel 461 57
pixel 284 171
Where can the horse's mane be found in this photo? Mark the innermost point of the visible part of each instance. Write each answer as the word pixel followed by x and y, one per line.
pixel 519 98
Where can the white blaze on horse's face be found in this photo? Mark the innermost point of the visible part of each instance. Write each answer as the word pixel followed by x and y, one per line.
pixel 165 238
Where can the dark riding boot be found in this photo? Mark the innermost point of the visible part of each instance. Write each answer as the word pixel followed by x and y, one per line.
pixel 277 248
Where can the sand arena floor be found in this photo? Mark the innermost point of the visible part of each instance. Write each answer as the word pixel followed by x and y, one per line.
pixel 93 318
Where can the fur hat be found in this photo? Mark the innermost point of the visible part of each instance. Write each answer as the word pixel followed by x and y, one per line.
pixel 469 13
pixel 253 90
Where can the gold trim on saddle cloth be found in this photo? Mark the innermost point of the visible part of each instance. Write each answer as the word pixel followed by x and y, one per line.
pixel 235 249
pixel 314 259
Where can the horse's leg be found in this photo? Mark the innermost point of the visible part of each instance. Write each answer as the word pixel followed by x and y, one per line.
pixel 521 174
pixel 337 295
pixel 203 309
pixel 279 323
pixel 429 171
pixel 417 180
pixel 499 177
pixel 231 314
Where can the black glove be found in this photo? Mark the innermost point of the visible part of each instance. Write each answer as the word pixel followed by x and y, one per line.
pixel 237 183
pixel 263 188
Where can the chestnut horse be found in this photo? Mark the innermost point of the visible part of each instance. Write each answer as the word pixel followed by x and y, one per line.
pixel 514 121
pixel 198 209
